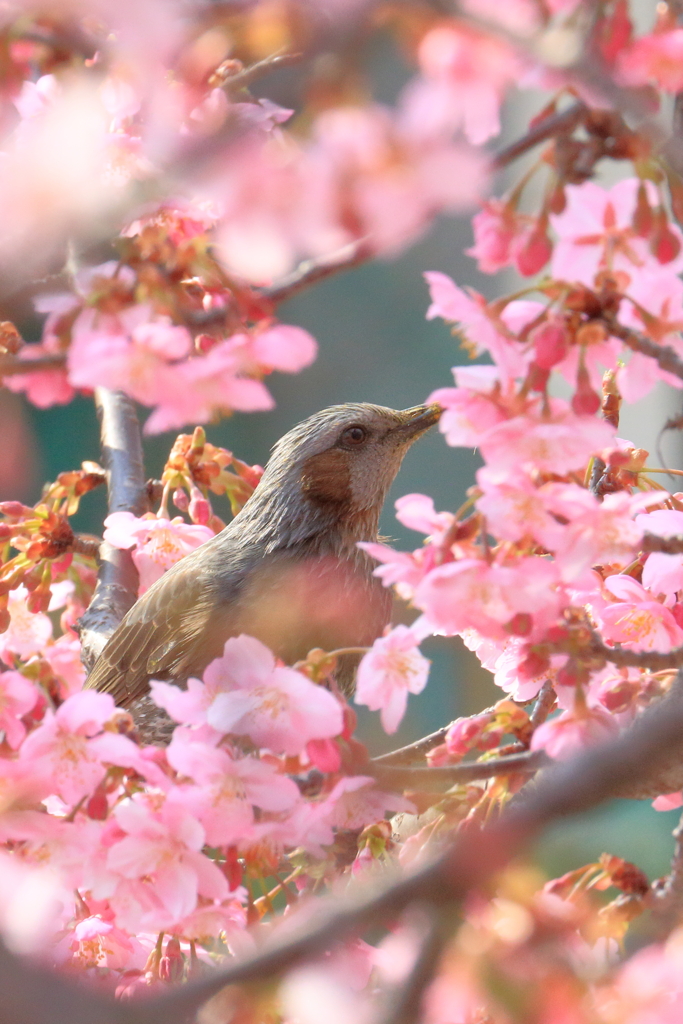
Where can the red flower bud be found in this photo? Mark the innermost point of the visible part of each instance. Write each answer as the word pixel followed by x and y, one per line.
pixel 535 252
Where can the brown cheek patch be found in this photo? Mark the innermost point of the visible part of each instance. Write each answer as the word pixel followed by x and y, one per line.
pixel 326 478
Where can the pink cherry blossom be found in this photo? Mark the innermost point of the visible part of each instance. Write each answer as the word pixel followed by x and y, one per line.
pixel 70 745
pixel 398 568
pixel 560 443
pixel 283 347
pixel 654 58
pixel 277 707
pixel 64 658
pixel 17 697
pixel 158 543
pixel 227 788
pixel 635 619
pixel 465 76
pixel 160 856
pixel 391 669
pixel 28 632
pixel 595 232
pixel 515 509
pixel 668 802
pixel 471 594
pixel 356 801
pixel 417 512
pixel 570 732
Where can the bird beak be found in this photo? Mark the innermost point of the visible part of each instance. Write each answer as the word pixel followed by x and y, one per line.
pixel 417 421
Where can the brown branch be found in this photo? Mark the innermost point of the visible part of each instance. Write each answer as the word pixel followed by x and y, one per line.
pixel 667 545
pixel 246 76
pixel 117 581
pixel 414 751
pixel 444 777
pixel 312 271
pixel 654 660
pixel 545 703
pixel 666 357
pixel 88 546
pixel 12 365
pixel 668 905
pixel 404 1005
pixel 556 124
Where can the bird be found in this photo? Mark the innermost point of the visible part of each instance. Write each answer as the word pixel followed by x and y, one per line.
pixel 286 570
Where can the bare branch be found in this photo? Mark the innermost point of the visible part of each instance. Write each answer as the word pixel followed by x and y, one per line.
pixel 665 356
pixel 442 778
pixel 12 365
pixel 668 905
pixel 404 1007
pixel 243 78
pixel 667 545
pixel 117 583
pixel 544 705
pixel 312 271
pixel 556 124
pixel 414 751
pixel 654 660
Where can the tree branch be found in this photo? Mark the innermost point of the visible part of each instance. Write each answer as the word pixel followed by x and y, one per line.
pixel 117 581
pixel 667 545
pixel 312 271
pixel 668 905
pixel 12 365
pixel 666 357
pixel 246 76
pixel 655 660
pixel 444 777
pixel 556 124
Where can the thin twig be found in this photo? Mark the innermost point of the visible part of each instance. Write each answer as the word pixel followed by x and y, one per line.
pixel 244 78
pixel 668 905
pixel 444 777
pixel 555 124
pixel 403 1007
pixel 665 356
pixel 312 271
pixel 12 365
pixel 117 581
pixel 545 702
pixel 654 660
pixel 667 545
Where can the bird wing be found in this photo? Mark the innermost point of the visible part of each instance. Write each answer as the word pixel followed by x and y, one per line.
pixel 162 635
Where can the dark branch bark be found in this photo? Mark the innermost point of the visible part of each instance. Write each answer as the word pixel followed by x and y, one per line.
pixel 117 582
pixel 655 660
pixel 442 778
pixel 557 124
pixel 312 271
pixel 667 545
pixel 666 357
pixel 12 365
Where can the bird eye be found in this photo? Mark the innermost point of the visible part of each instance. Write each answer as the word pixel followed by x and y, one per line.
pixel 352 437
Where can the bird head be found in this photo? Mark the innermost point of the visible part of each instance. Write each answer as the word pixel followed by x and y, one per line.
pixel 335 468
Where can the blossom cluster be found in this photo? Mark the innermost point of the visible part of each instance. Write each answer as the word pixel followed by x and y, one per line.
pixel 138 126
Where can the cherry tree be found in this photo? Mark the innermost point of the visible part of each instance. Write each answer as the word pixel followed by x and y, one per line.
pixel 263 866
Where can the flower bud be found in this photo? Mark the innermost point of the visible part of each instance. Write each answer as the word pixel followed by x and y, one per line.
pixel 535 253
pixel 172 963
pixel 551 342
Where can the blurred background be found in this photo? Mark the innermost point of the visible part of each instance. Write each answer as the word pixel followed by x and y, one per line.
pixel 375 346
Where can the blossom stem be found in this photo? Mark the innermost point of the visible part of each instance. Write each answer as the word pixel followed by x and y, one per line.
pixel 556 124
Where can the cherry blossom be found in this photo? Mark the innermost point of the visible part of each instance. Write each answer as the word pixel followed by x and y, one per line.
pixel 28 632
pixel 158 543
pixel 561 737
pixel 276 706
pixel 392 668
pixel 17 697
pixel 635 619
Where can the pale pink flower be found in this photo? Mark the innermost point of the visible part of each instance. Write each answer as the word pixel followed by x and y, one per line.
pixel 663 574
pixel 70 745
pixel 656 58
pixel 277 707
pixel 561 443
pixel 28 632
pixel 280 347
pixel 572 731
pixel 467 415
pixel 17 697
pixel 64 658
pixel 392 668
pixel 42 387
pixel 356 801
pixel 158 543
pixel 401 569
pixel 668 801
pixel 161 852
pixel 469 310
pixel 635 619
pixel 471 594
pixel 515 509
pixel 496 230
pixel 188 706
pixel 227 788
pixel 466 74
pixel 596 531
pixel 96 943
pixel 198 389
pixel 595 232
pixel 417 512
